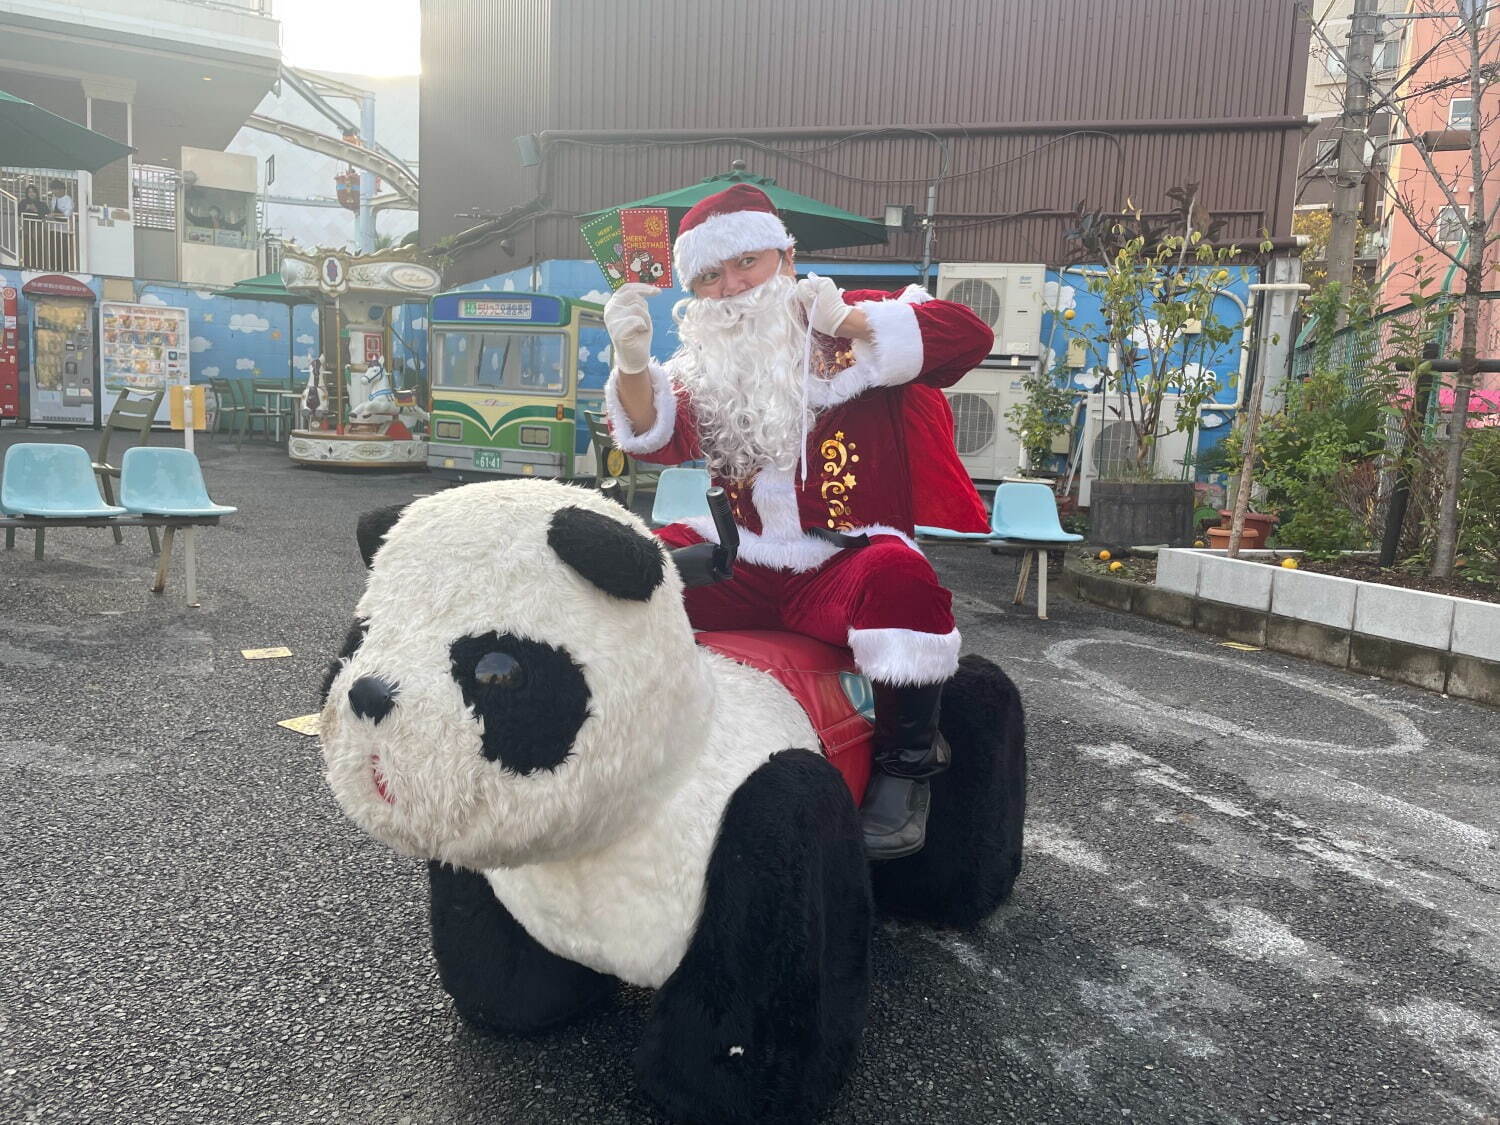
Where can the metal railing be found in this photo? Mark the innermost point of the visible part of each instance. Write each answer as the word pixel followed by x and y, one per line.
pixel 153 194
pixel 50 243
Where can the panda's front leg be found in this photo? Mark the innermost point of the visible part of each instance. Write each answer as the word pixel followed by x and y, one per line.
pixel 761 1020
pixel 500 978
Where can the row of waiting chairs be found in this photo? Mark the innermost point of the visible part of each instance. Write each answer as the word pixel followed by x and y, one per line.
pixel 46 485
pixel 1024 517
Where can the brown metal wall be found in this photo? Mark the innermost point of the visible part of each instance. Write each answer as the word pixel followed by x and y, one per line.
pixel 651 65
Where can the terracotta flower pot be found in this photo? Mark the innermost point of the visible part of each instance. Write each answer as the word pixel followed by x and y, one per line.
pixel 1262 523
pixel 1218 538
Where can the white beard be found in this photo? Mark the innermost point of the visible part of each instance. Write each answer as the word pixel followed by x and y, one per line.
pixel 742 359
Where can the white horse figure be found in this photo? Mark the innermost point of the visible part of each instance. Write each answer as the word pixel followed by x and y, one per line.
pixel 382 401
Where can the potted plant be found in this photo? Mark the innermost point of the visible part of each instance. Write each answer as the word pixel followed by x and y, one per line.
pixel 1157 288
pixel 1041 418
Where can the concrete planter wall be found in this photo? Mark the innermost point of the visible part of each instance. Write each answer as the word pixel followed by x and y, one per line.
pixel 1434 641
pixel 1129 512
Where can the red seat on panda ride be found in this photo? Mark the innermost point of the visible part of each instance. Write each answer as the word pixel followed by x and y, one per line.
pixel 814 672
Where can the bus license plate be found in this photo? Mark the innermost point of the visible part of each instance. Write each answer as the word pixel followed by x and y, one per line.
pixel 487 459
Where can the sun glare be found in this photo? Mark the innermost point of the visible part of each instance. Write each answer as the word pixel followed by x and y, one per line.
pixel 375 37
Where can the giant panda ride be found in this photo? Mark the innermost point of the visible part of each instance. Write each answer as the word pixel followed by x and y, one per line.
pixel 601 798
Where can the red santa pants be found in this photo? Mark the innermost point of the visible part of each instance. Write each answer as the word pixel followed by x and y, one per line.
pixel 883 601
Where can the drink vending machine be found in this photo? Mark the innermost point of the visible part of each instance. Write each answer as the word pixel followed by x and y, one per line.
pixel 10 356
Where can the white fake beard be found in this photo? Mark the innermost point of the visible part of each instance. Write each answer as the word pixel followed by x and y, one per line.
pixel 742 361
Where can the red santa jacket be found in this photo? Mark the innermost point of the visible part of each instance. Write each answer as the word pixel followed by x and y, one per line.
pixel 881 455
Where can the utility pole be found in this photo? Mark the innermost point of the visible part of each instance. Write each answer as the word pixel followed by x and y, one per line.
pixel 366 227
pixel 1354 132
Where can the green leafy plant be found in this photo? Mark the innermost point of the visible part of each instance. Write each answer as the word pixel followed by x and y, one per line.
pixel 1043 415
pixel 1157 293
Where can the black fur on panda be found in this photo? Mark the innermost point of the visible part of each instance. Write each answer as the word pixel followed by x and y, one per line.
pixel 521 704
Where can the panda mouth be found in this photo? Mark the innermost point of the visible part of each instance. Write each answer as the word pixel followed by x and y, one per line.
pixel 379 779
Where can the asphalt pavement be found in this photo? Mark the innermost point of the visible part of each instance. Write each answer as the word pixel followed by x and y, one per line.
pixel 1256 889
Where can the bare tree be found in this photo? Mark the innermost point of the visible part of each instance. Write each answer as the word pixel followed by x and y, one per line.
pixel 1468 48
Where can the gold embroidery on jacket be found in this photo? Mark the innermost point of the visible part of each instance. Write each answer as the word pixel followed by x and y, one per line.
pixel 838 481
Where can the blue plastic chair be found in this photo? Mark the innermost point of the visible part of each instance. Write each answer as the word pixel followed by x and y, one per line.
pixel 165 482
pixel 52 481
pixel 680 494
pixel 1024 515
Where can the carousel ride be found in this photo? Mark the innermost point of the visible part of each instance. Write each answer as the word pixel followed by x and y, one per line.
pixel 355 413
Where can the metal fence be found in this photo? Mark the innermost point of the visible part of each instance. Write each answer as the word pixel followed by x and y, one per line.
pixel 1373 345
pixel 154 191
pixel 10 230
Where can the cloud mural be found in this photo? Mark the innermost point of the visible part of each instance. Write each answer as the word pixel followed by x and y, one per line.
pixel 237 338
pixel 306 338
pixel 200 344
pixel 244 363
pixel 208 372
pixel 151 299
pixel 248 322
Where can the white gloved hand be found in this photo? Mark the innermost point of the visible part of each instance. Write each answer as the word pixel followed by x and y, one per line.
pixel 628 321
pixel 824 302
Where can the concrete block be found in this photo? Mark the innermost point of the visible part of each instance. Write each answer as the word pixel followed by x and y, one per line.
pixel 1413 617
pixel 1233 582
pixel 1114 593
pixel 1320 598
pixel 1308 639
pixel 1476 629
pixel 1396 660
pixel 1235 623
pixel 1472 678
pixel 1163 605
pixel 1177 571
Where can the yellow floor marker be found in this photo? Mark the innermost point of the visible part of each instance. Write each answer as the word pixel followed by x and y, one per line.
pixel 1239 647
pixel 265 653
pixel 302 724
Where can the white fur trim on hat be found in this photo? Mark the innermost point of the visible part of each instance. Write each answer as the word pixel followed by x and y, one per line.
pixel 666 413
pixel 726 236
pixel 905 656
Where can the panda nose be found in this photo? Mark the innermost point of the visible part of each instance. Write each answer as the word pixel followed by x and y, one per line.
pixel 372 697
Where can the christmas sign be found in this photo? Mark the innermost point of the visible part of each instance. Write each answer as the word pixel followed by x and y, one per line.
pixel 647 235
pixel 604 240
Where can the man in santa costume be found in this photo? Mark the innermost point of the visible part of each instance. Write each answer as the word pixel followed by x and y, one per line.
pixel 820 414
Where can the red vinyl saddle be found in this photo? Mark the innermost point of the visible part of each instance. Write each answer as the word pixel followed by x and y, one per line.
pixel 814 673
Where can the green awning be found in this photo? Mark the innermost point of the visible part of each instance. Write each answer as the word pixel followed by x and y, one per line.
pixel 266 287
pixel 815 225
pixel 32 137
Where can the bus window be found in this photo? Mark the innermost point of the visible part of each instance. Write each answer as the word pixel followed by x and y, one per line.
pixel 457 357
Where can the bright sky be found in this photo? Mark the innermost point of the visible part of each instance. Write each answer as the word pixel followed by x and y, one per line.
pixel 372 37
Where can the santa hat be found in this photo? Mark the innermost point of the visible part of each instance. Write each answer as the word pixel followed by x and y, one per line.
pixel 738 220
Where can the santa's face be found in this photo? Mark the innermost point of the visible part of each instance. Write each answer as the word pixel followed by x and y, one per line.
pixel 742 359
pixel 734 276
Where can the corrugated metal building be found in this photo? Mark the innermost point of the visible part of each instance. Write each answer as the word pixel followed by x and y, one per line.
pixel 1021 111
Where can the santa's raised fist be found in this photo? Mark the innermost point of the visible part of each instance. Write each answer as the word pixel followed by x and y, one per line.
pixel 628 321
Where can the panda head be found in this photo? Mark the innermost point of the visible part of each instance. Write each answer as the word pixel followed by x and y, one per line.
pixel 527 688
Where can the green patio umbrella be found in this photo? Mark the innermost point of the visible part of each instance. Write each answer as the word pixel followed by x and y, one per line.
pixel 815 225
pixel 32 137
pixel 266 287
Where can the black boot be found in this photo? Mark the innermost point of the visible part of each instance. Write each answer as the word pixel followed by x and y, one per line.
pixel 908 750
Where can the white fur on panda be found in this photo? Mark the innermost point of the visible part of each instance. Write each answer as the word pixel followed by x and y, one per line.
pixel 601 859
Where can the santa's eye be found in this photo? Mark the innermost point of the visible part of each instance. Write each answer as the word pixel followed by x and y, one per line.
pixel 498 669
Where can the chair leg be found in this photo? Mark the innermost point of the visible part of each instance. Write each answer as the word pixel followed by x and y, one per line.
pixel 10 539
pixel 109 498
pixel 155 542
pixel 41 542
pixel 164 562
pixel 1041 583
pixel 1022 578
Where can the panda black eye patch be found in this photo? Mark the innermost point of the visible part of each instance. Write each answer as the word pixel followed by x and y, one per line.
pixel 530 699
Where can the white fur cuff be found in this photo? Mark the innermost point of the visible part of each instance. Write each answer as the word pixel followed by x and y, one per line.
pixel 895 355
pixel 905 656
pixel 666 413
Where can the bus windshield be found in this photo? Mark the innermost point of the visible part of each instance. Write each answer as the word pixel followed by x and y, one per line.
pixel 517 362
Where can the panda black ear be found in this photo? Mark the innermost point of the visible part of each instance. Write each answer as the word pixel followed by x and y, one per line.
pixel 612 555
pixel 371 529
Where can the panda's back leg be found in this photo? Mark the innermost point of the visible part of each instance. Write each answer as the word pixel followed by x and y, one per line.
pixel 975 826
pixel 761 1020
pixel 499 976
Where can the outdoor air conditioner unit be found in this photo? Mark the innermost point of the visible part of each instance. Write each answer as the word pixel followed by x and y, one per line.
pixel 1006 297
pixel 1109 442
pixel 979 401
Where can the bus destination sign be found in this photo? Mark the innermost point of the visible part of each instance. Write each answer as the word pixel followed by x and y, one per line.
pixel 482 309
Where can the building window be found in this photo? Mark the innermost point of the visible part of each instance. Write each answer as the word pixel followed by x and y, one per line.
pixel 1388 54
pixel 1469 8
pixel 1328 155
pixel 1461 113
pixel 1452 224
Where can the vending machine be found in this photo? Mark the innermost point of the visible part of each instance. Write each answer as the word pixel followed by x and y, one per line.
pixel 142 348
pixel 64 375
pixel 10 355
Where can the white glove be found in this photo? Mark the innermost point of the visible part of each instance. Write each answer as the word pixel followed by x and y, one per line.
pixel 824 302
pixel 629 323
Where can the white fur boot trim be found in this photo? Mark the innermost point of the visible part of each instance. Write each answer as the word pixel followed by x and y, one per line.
pixel 905 656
